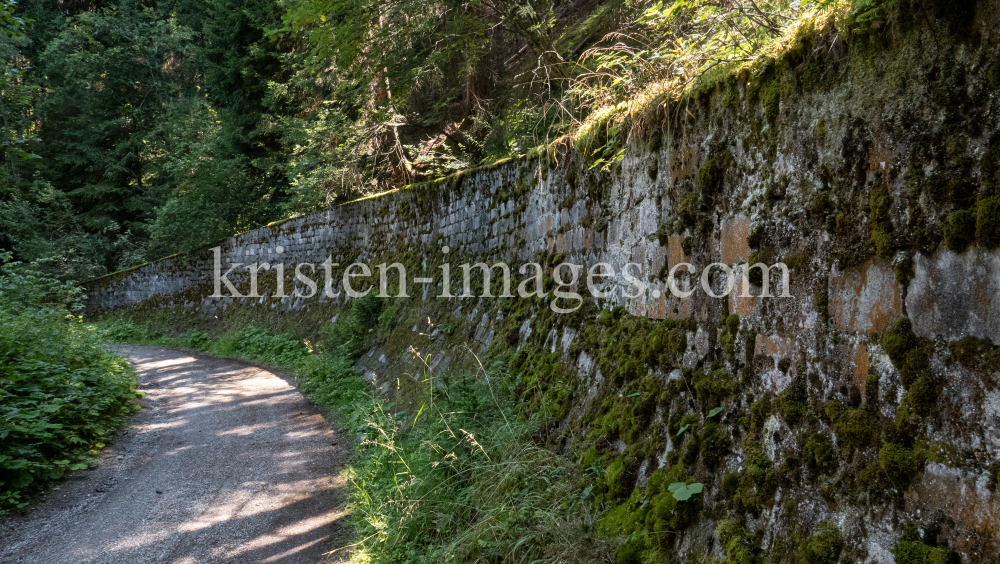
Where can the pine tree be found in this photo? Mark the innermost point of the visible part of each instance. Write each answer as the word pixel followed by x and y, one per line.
pixel 108 79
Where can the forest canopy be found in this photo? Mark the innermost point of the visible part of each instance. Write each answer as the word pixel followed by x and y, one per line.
pixel 136 129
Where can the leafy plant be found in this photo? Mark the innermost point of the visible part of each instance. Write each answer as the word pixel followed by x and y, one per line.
pixel 62 395
pixel 683 492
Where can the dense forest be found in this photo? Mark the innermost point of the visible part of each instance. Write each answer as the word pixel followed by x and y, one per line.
pixel 136 129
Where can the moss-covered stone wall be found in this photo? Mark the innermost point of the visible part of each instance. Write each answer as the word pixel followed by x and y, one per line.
pixel 858 421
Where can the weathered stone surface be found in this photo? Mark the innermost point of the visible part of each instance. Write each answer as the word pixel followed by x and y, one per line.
pixel 734 240
pixel 955 296
pixel 866 299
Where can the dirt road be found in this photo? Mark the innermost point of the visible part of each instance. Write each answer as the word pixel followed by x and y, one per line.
pixel 226 462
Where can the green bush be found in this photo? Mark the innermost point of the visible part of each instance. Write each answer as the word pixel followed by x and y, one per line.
pixel 62 395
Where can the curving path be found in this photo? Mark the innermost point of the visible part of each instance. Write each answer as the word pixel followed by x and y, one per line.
pixel 226 462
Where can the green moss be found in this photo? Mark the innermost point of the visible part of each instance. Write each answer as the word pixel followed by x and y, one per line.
pixel 960 230
pixel 793 401
pixel 820 130
pixel 687 209
pixel 821 205
pixel 909 354
pixel 733 323
pixel 898 464
pixel 771 97
pixel 880 225
pixel 760 410
pixel 619 479
pixel 993 76
pixel 755 486
pixel 714 444
pixel 728 343
pixel 709 177
pixel 910 549
pixel 821 451
pixel 855 428
pixel 738 546
pixel 988 222
pixel 883 244
pixel 871 389
pixel 843 223
pixel 823 546
pixel 922 395
pixel 650 513
pixel 718 383
pixel 655 140
pixel 980 356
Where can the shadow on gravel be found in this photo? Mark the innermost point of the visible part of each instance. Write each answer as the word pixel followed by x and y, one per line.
pixel 226 463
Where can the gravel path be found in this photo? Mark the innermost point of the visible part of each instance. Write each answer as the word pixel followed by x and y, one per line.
pixel 226 462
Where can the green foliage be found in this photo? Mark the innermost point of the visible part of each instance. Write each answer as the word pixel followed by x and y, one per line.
pixel 459 479
pixel 107 79
pixel 208 199
pixel 683 492
pixel 62 395
pixel 456 477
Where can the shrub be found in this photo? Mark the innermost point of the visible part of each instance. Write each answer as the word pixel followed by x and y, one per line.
pixel 62 395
